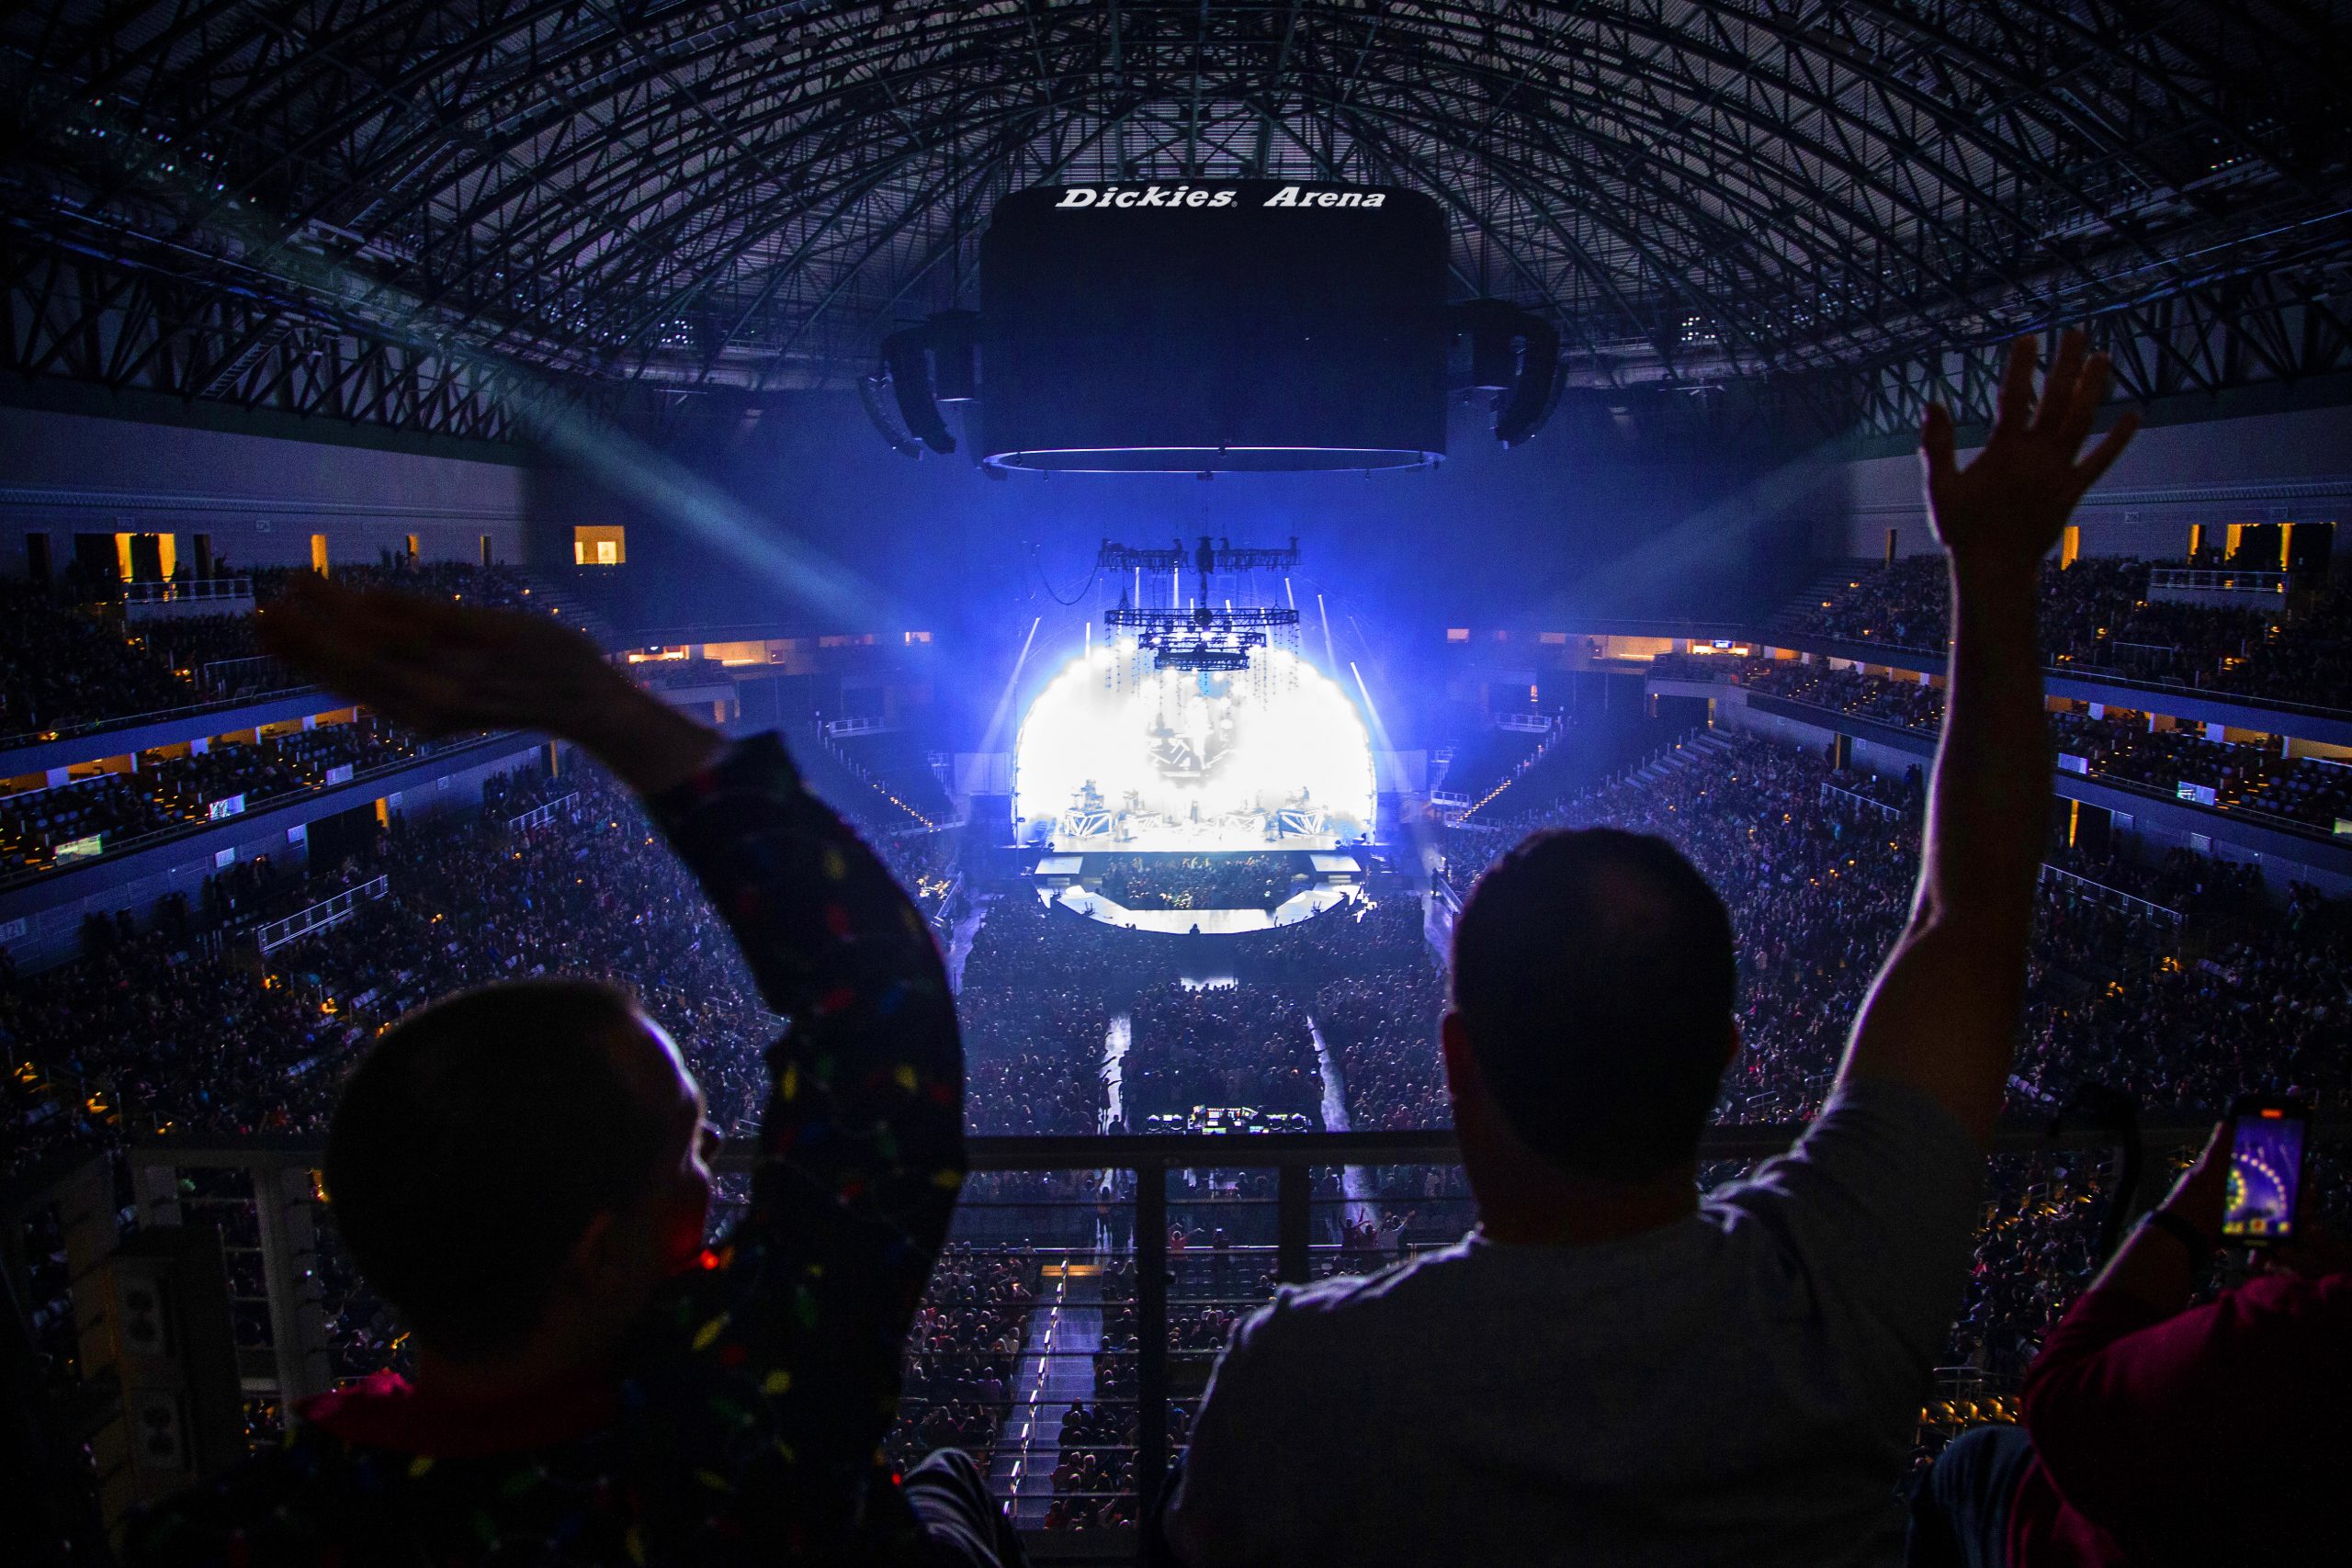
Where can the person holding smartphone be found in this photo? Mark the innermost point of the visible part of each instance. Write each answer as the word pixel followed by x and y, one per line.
pixel 2160 1432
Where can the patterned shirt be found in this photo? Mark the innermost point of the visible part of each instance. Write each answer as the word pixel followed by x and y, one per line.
pixel 750 1404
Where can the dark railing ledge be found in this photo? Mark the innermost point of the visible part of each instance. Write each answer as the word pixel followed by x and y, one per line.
pixel 1133 1151
pixel 297 1317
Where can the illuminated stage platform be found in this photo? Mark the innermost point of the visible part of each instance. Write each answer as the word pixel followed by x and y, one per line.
pixel 1200 922
pixel 1081 832
pixel 1118 755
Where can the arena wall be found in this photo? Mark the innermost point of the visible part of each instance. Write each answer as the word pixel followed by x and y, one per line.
pixel 260 498
pixel 2293 466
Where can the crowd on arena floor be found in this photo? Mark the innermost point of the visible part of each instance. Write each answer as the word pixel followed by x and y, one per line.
pixel 1241 1045
pixel 962 1352
pixel 1197 882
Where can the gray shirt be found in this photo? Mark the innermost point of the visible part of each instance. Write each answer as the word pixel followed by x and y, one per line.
pixel 1739 1387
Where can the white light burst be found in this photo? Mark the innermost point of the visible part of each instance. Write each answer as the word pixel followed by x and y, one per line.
pixel 1184 760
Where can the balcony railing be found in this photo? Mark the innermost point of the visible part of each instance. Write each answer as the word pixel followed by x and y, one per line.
pixel 274 935
pixel 1125 1246
pixel 1839 795
pixel 2114 897
pixel 190 590
pixel 544 815
pixel 2263 583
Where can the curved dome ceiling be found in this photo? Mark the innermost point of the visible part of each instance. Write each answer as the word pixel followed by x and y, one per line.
pixel 750 195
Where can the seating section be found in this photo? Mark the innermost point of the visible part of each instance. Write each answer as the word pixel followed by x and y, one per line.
pixel 168 792
pixel 61 665
pixel 195 1036
pixel 65 665
pixel 2173 981
pixel 2119 746
pixel 1755 819
pixel 963 1353
pixel 1909 703
pixel 2099 618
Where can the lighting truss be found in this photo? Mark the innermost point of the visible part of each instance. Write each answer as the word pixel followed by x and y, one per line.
pixel 1121 559
pixel 1200 638
pixel 374 212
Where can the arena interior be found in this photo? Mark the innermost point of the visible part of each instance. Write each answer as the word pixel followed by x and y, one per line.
pixel 1192 487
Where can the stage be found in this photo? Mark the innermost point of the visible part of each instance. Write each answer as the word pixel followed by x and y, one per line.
pixel 1119 752
pixel 1199 922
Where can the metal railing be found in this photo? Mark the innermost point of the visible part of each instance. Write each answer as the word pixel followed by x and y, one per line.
pixel 1106 1212
pixel 1934 661
pixel 2088 768
pixel 2100 893
pixel 1832 793
pixel 2222 581
pixel 96 726
pixel 542 815
pixel 274 935
pixel 186 590
pixel 254 675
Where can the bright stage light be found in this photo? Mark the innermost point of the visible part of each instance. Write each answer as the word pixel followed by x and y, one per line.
pixel 1115 754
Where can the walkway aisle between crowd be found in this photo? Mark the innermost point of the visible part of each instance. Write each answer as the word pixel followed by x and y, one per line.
pixel 1115 1041
pixel 1057 1369
pixel 1354 1180
pixel 959 945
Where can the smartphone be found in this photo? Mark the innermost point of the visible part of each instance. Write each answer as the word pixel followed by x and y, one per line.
pixel 2266 1138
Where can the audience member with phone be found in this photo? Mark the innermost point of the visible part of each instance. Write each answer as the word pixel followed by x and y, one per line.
pixel 2266 1176
pixel 2157 1431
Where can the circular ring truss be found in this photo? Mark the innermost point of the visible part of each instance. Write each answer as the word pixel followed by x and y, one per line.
pixel 405 199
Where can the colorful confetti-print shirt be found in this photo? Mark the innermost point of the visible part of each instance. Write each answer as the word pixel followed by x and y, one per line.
pixel 745 1423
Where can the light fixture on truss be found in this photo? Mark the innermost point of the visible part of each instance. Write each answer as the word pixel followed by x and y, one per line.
pixel 1201 636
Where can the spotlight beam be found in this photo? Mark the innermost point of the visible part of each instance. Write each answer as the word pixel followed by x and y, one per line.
pixel 998 720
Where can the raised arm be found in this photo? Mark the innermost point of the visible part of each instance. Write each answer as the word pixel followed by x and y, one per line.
pixel 864 1129
pixel 1943 1013
pixel 769 1373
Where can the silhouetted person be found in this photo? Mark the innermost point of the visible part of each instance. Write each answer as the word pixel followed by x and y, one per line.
pixel 1611 1370
pixel 519 1170
pixel 2162 1431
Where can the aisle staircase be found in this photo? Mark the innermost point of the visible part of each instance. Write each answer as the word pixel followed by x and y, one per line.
pixel 1543 748
pixel 839 779
pixel 1699 745
pixel 1057 1365
pixel 562 594
pixel 1795 615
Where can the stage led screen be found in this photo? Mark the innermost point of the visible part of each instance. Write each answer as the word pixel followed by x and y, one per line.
pixel 1115 754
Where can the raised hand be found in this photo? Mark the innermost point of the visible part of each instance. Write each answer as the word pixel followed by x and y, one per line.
pixel 441 668
pixel 2009 505
pixel 2202 1192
